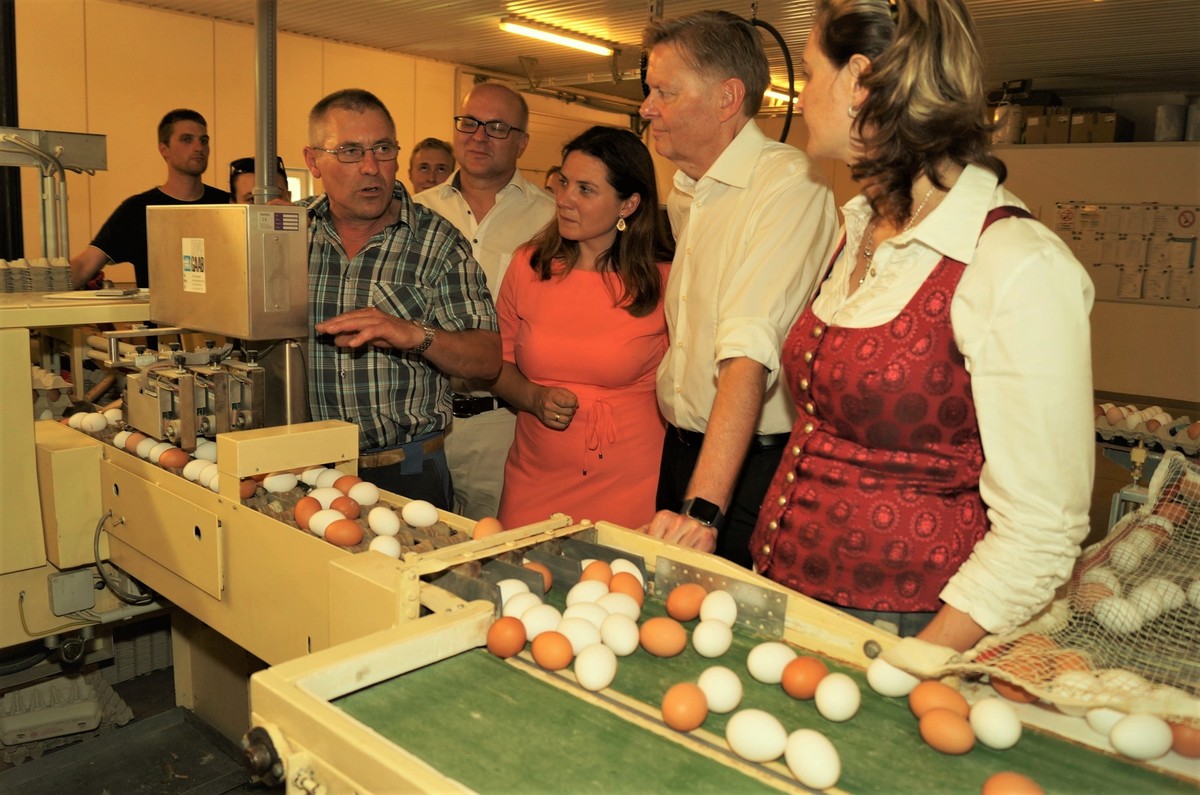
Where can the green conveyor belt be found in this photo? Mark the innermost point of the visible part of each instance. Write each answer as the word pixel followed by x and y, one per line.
pixel 495 728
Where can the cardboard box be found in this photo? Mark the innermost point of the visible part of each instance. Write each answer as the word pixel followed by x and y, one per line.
pixel 1035 129
pixel 1058 127
pixel 1081 127
pixel 1111 128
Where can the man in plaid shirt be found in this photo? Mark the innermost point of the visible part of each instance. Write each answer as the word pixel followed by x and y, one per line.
pixel 396 302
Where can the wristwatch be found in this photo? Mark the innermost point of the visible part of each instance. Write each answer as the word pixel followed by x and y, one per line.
pixel 703 511
pixel 425 343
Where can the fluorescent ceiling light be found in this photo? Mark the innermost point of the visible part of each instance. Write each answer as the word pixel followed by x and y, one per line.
pixel 554 35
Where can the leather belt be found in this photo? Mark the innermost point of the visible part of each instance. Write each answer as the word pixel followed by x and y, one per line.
pixel 762 441
pixel 464 406
pixel 396 455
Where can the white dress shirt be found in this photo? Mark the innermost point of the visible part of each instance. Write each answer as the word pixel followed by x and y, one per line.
pixel 1020 319
pixel 752 235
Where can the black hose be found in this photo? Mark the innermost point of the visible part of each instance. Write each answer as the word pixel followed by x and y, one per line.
pixel 791 73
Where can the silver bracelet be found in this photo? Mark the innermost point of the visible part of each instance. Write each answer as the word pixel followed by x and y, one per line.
pixel 425 343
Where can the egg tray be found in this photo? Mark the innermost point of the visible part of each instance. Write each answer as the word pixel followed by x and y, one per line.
pixel 1159 440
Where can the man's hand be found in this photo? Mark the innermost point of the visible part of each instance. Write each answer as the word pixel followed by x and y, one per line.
pixel 682 530
pixel 371 327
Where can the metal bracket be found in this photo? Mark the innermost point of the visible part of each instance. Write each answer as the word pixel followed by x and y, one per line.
pixel 529 66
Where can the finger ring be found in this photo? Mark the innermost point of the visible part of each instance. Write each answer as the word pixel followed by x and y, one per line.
pixel 557 416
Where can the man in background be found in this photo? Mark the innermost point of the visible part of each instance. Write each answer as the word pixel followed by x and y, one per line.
pixel 183 143
pixel 752 227
pixel 242 182
pixel 430 164
pixel 497 210
pixel 397 305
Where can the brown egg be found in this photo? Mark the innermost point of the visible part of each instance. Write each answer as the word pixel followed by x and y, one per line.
pixel 598 570
pixel 349 507
pixel 174 458
pixel 1193 430
pixel 802 675
pixel 683 603
pixel 1070 661
pixel 344 532
pixel 247 487
pixel 684 707
pixel 133 440
pixel 542 569
pixel 1085 597
pixel 506 637
pixel 1185 739
pixel 345 482
pixel 947 731
pixel 932 694
pixel 1013 692
pixel 552 651
pixel 305 508
pixel 626 583
pixel 663 637
pixel 1009 783
pixel 487 526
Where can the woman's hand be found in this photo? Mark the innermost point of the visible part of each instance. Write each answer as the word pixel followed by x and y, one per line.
pixel 554 406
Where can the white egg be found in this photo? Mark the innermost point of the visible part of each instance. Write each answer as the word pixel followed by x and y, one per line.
pixel 120 437
pixel 47 414
pixel 322 519
pixel 207 474
pixel 766 661
pixel 145 446
pixel 76 420
pixel 1102 719
pixel 888 680
pixel 388 545
pixel 756 736
pixel 191 470
pixel 309 476
pixel 1118 615
pixel 1148 602
pixel 383 521
pixel 586 591
pixel 995 723
pixel 837 697
pixel 157 450
pixel 1193 594
pixel 712 638
pixel 419 513
pixel 113 417
pixel 581 632
pixel 327 478
pixel 93 422
pixel 1172 595
pixel 1126 681
pixel 617 632
pixel 812 759
pixel 1125 557
pixel 539 619
pixel 620 604
pixel 325 495
pixel 1143 541
pixel 511 587
pixel 591 611
pixel 214 484
pixel 206 449
pixel 719 605
pixel 595 666
pixel 364 493
pixel 1141 736
pixel 1104 576
pixel 521 602
pixel 621 564
pixel 722 688
pixel 280 482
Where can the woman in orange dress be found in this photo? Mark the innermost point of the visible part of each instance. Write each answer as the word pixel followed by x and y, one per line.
pixel 582 324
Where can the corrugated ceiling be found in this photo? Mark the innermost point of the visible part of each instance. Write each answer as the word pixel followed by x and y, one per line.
pixel 1076 48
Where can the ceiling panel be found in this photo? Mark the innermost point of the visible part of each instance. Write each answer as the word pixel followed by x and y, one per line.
pixel 1074 47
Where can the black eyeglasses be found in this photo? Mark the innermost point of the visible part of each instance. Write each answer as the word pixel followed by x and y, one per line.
pixel 355 154
pixel 493 129
pixel 245 165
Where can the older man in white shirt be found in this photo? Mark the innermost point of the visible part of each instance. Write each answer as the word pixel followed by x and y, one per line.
pixel 753 228
pixel 497 210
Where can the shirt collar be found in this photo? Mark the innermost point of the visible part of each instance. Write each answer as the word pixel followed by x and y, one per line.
pixel 318 206
pixel 453 184
pixel 735 165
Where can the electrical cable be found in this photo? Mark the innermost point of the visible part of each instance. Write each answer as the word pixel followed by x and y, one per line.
pixel 791 73
pixel 51 631
pixel 133 599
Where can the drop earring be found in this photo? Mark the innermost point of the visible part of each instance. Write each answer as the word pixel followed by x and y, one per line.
pixel 620 223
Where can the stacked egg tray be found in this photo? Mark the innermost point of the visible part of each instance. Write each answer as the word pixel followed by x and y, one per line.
pixel 513 725
pixel 1150 426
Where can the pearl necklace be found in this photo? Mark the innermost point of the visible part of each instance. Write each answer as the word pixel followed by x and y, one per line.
pixel 868 253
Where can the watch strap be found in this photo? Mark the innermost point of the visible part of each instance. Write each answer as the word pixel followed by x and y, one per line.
pixel 425 343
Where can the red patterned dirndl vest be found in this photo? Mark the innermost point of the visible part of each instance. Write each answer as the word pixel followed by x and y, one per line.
pixel 876 503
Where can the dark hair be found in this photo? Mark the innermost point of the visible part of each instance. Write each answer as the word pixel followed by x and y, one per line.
pixel 355 99
pixel 167 126
pixel 550 172
pixel 245 165
pixel 431 143
pixel 646 241
pixel 717 44
pixel 926 101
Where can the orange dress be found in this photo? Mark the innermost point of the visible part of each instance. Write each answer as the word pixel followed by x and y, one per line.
pixel 568 332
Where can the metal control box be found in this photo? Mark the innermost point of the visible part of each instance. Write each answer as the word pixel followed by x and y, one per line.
pixel 234 269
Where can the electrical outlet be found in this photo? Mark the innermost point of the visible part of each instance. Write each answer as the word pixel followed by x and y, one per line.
pixel 71 591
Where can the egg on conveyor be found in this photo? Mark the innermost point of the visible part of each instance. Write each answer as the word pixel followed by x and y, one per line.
pixel 309 476
pixel 837 697
pixel 321 520
pixel 510 587
pixel 540 618
pixel 620 604
pixel 1141 736
pixel 592 612
pixel 756 736
pixel 766 661
pixel 388 545
pixel 326 479
pixel 113 417
pixel 419 513
pixel 719 605
pixel 365 494
pixel 617 632
pixel 722 688
pixel 519 604
pixel 619 565
pixel 595 666
pixel 995 723
pixel 280 482
pixel 383 521
pixel 812 759
pixel 712 638
pixel 325 495
pixel 581 632
pixel 888 680
pixel 586 591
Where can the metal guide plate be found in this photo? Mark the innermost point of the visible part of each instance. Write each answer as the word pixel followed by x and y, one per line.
pixel 578 549
pixel 761 610
pixel 496 570
pixel 467 588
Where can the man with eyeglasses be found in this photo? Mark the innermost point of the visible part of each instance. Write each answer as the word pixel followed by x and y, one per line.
pixel 497 210
pixel 398 306
pixel 183 143
pixel 241 180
